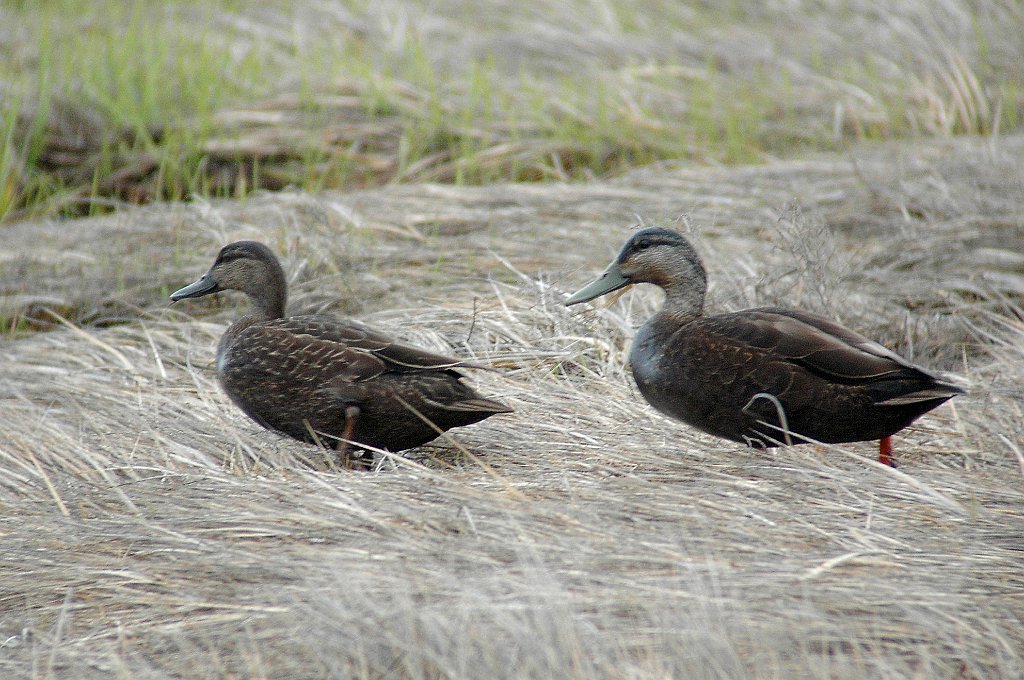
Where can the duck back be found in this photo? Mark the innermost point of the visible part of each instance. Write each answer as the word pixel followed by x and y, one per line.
pixel 773 376
pixel 298 375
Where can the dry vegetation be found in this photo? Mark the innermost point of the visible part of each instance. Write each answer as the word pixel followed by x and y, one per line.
pixel 150 530
pixel 104 102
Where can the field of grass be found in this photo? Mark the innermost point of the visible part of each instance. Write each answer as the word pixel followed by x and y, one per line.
pixel 150 530
pixel 109 102
pixel 449 172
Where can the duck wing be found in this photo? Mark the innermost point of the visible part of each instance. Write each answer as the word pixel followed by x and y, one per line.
pixel 366 351
pixel 830 351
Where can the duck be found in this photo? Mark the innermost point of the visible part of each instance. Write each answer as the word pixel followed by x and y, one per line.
pixel 327 381
pixel 763 377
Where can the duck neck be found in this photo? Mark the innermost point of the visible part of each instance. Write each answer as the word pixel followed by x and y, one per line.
pixel 270 302
pixel 683 301
pixel 267 309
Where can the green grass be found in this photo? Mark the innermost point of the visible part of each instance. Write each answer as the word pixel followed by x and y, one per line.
pixel 145 81
pixel 152 75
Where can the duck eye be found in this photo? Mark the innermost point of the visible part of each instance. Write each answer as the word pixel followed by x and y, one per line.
pixel 643 244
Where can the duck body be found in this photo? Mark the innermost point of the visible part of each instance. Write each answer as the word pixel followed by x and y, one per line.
pixel 330 381
pixel 765 377
pixel 831 384
pixel 299 375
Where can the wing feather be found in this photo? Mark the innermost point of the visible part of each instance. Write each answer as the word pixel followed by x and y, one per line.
pixel 818 344
pixel 362 343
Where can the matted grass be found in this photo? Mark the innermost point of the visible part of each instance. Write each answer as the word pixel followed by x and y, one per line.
pixel 107 102
pixel 150 530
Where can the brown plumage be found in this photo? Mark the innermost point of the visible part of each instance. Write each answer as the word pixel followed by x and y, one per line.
pixel 764 377
pixel 320 379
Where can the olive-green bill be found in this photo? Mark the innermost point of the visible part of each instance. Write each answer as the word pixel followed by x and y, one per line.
pixel 611 280
pixel 204 286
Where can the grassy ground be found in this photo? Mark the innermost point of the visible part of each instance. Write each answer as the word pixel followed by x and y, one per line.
pixel 150 530
pixel 106 102
pixel 811 150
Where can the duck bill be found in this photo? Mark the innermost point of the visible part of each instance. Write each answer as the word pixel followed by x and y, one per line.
pixel 611 280
pixel 204 286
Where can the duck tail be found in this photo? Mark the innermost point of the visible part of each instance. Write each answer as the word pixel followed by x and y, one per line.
pixel 480 405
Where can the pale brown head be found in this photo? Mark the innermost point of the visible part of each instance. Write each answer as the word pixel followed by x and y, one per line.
pixel 247 266
pixel 658 256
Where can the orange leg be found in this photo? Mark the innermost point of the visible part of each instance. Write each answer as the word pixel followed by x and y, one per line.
pixel 351 418
pixel 885 451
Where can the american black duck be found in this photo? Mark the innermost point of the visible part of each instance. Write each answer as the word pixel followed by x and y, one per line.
pixel 323 380
pixel 766 376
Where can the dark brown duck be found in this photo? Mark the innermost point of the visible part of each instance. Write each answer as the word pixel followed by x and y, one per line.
pixel 323 380
pixel 764 377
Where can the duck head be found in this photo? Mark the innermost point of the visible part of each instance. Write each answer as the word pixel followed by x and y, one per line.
pixel 247 266
pixel 659 256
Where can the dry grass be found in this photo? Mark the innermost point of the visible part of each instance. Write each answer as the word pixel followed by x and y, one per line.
pixel 149 530
pixel 107 103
